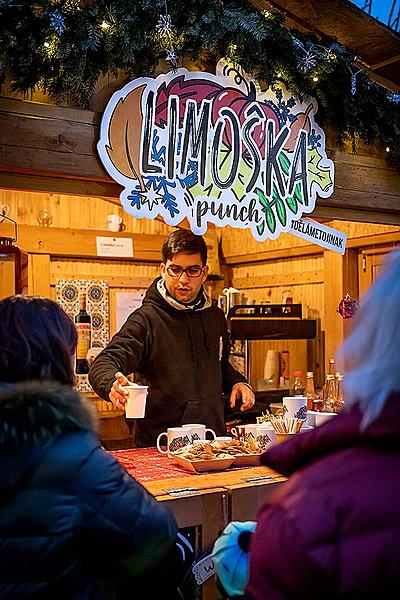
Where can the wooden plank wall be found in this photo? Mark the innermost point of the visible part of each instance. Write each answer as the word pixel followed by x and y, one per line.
pixel 315 278
pixel 263 271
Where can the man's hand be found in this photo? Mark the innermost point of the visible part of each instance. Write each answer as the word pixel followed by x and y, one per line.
pixel 117 393
pixel 240 390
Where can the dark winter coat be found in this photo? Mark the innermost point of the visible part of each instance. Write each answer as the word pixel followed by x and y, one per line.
pixel 183 355
pixel 71 518
pixel 333 530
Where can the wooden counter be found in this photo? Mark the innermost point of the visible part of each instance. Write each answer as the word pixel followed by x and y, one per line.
pixel 209 501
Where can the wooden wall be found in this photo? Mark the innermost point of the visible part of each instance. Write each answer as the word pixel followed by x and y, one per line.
pixel 315 278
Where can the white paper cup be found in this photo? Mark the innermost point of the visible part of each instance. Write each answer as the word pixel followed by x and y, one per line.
pixel 321 417
pixel 295 407
pixel 135 406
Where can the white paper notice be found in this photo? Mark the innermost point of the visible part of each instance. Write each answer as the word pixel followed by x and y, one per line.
pixel 114 246
pixel 324 236
pixel 126 302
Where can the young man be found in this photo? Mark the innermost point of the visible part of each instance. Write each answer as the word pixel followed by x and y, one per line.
pixel 178 344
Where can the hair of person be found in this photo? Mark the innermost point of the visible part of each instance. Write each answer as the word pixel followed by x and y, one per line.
pixel 185 241
pixel 370 356
pixel 37 340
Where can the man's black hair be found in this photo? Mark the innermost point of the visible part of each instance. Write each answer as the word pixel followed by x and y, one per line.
pixel 183 240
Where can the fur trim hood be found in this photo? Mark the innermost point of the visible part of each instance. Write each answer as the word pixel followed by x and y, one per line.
pixel 34 413
pixel 32 416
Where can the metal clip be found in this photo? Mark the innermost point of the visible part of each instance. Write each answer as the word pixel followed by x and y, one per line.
pixel 261 478
pixel 178 491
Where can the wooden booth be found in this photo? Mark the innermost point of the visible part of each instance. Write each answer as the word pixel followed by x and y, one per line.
pixel 57 191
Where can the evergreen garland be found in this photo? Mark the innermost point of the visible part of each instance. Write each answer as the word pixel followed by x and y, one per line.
pixel 63 46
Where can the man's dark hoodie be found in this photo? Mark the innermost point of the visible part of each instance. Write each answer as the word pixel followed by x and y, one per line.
pixel 181 352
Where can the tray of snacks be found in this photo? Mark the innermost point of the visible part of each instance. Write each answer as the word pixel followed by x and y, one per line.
pixel 246 453
pixel 200 458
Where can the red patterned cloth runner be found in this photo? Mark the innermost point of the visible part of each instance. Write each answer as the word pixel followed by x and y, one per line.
pixel 147 464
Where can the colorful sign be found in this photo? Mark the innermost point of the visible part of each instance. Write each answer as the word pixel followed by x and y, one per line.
pixel 215 149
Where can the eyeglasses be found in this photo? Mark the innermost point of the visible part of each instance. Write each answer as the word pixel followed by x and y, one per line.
pixel 177 271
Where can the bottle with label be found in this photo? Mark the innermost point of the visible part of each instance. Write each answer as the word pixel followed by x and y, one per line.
pixel 329 393
pixel 309 392
pixel 83 324
pixel 297 386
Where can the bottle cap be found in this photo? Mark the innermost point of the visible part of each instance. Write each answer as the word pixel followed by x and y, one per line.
pixel 298 373
pixel 330 376
pixel 310 374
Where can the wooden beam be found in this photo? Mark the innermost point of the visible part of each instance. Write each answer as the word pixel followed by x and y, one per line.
pixel 57 241
pixel 113 281
pixel 281 280
pixel 242 259
pixel 39 283
pixel 12 180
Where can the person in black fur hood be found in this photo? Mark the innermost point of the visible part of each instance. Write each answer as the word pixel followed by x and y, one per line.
pixel 178 344
pixel 74 525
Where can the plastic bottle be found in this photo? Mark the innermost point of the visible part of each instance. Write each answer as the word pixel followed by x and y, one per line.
pixel 297 386
pixel 309 391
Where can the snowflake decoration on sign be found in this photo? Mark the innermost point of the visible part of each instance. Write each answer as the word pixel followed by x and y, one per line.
pixel 314 141
pixel 284 108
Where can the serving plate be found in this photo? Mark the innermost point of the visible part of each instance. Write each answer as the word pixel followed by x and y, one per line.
pixel 247 460
pixel 201 466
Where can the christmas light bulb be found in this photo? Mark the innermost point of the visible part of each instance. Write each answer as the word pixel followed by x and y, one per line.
pixel 387 149
pixel 315 79
pixel 105 25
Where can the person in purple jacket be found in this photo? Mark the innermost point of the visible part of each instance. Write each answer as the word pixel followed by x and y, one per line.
pixel 333 529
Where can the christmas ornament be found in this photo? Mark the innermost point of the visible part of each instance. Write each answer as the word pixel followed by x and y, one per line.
pixel 347 307
pixel 57 22
pixel 354 81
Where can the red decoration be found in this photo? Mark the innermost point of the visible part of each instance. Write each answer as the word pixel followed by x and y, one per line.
pixel 347 307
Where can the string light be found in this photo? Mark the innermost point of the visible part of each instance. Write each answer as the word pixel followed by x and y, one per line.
pixel 315 78
pixel 105 25
pixel 46 45
pixel 387 149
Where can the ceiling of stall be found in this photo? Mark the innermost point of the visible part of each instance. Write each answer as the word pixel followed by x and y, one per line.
pixel 376 45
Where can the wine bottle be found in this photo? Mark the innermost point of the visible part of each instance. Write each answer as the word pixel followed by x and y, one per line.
pixel 83 324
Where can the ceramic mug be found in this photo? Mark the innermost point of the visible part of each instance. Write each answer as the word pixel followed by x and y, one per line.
pixel 294 407
pixel 198 431
pixel 114 223
pixel 177 437
pixel 243 432
pixel 265 436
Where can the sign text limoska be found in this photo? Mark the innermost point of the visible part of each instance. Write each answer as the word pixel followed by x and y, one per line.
pixel 214 148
